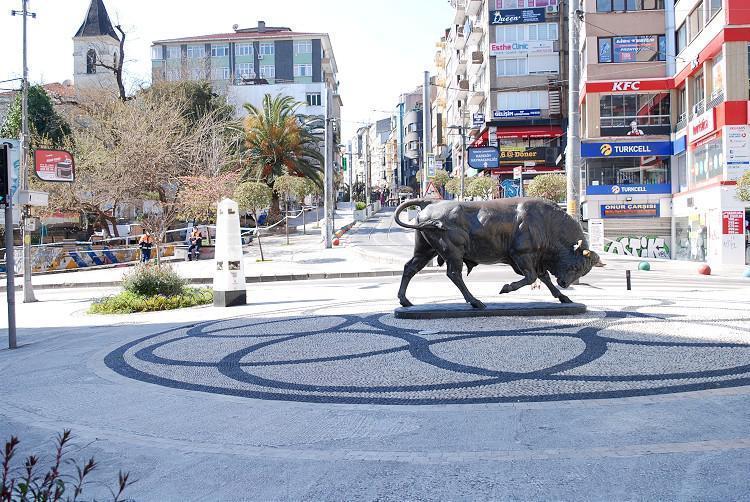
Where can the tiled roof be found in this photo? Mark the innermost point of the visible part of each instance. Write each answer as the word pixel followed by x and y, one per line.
pixel 97 22
pixel 238 36
pixel 55 89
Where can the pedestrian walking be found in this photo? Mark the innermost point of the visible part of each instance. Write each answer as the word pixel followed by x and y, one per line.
pixel 146 242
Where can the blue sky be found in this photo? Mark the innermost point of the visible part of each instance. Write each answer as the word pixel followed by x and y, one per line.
pixel 382 47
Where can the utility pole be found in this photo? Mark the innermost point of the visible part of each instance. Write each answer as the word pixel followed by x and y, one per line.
pixel 462 131
pixel 350 167
pixel 328 173
pixel 10 266
pixel 28 291
pixel 573 157
pixel 367 165
pixel 426 131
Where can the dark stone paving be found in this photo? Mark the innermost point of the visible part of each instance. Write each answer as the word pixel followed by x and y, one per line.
pixel 463 310
pixel 377 359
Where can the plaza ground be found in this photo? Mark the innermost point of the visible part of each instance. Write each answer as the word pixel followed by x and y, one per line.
pixel 314 391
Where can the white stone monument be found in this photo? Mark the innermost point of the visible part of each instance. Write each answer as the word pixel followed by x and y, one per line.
pixel 229 277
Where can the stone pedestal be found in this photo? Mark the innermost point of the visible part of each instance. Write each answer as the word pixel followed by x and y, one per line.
pixel 229 275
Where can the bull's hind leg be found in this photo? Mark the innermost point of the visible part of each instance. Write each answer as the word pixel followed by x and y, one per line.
pixel 547 280
pixel 455 267
pixel 423 254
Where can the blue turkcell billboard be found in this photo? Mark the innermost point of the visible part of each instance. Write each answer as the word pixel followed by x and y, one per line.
pixel 629 149
pixel 628 189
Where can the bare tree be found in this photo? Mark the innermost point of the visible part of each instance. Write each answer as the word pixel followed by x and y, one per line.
pixel 117 65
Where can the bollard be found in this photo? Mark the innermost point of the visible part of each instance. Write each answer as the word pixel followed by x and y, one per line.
pixel 627 279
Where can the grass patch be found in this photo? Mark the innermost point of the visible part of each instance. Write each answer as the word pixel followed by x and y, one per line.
pixel 128 302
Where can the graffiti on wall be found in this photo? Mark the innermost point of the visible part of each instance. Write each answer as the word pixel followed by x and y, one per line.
pixel 48 259
pixel 649 246
pixel 510 188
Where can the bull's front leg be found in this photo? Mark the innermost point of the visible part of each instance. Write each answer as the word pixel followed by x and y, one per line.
pixel 411 268
pixel 526 267
pixel 455 266
pixel 547 280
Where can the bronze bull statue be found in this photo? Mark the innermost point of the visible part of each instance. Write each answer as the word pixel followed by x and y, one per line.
pixel 533 236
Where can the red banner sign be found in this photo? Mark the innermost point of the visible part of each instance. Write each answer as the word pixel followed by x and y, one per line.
pixel 630 86
pixel 54 165
pixel 732 222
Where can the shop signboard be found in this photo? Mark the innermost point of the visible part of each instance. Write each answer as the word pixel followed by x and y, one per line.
pixel 508 114
pixel 630 210
pixel 629 149
pixel 54 165
pixel 478 119
pixel 486 157
pixel 520 156
pixel 631 48
pixel 628 189
pixel 702 125
pixel 732 222
pixel 517 16
pixel 492 136
pixel 737 150
pixel 596 235
pixel 509 49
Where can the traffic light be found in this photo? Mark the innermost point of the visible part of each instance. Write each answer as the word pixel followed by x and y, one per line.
pixel 4 185
pixel 343 163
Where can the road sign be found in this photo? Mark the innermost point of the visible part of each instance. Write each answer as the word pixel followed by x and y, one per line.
pixel 517 172
pixel 54 165
pixel 432 193
pixel 485 157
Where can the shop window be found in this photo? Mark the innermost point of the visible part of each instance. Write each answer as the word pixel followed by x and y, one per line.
pixel 707 163
pixel 632 49
pixel 682 172
pixel 628 171
pixel 634 114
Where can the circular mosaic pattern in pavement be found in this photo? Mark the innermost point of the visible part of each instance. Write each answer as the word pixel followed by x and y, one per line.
pixel 377 359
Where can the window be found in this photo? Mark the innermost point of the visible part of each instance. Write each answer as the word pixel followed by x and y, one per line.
pixel 634 114
pixel 174 52
pixel 303 70
pixel 219 51
pixel 267 71
pixel 511 67
pixel 699 94
pixel 221 73
pixel 266 49
pixel 156 53
pixel 521 4
pixel 411 127
pixel 628 170
pixel 707 162
pixel 628 5
pixel 196 51
pixel 91 61
pixel 173 74
pixel 681 38
pixel 313 99
pixel 536 31
pixel 198 73
pixel 544 64
pixel 695 21
pixel 632 49
pixel 532 100
pixel 245 70
pixel 714 6
pixel 243 49
pixel 682 104
pixel 303 46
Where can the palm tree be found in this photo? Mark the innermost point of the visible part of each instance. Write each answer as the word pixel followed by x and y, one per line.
pixel 279 141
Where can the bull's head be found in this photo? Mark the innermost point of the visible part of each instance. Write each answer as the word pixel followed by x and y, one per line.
pixel 575 263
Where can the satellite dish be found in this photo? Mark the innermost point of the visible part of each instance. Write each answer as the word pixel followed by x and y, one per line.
pixel 235 26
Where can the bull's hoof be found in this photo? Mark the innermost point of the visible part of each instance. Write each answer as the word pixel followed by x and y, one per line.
pixel 564 299
pixel 506 289
pixel 405 303
pixel 477 304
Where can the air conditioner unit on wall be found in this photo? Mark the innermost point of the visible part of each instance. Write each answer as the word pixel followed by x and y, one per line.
pixel 551 9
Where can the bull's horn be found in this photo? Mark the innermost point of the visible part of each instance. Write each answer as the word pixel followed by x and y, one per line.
pixel 577 245
pixel 586 252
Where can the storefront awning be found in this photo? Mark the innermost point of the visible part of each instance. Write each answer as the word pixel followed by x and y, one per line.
pixel 522 132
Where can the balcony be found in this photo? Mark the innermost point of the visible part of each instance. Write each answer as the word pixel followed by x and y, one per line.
pixel 473 7
pixel 474 35
pixel 461 66
pixel 460 40
pixel 717 97
pixel 682 122
pixel 698 108
pixel 476 98
pixel 460 6
pixel 463 89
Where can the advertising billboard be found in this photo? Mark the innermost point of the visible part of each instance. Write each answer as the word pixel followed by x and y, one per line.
pixel 512 49
pixel 483 157
pixel 628 189
pixel 629 149
pixel 517 16
pixel 54 165
pixel 643 210
pixel 507 114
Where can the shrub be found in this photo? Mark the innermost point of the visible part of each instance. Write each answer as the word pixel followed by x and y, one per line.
pixel 147 280
pixel 360 206
pixel 549 186
pixel 32 482
pixel 128 302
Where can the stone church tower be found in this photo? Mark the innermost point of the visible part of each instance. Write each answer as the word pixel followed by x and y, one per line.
pixel 95 42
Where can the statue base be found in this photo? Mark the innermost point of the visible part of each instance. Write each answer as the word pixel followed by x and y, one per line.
pixel 458 310
pixel 230 298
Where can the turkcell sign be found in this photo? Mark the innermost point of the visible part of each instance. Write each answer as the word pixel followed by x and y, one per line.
pixel 517 16
pixel 634 149
pixel 628 189
pixel 506 114
pixel 486 157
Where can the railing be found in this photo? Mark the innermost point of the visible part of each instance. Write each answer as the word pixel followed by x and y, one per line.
pixel 681 122
pixel 716 99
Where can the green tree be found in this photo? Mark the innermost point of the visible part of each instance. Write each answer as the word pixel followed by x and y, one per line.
pixel 196 98
pixel 280 142
pixel 453 186
pixel 253 196
pixel 482 187
pixel 440 178
pixel 46 126
pixel 549 186
pixel 285 186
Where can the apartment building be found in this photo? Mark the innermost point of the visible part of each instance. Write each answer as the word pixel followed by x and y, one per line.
pixel 626 124
pixel 248 63
pixel 507 75
pixel 710 96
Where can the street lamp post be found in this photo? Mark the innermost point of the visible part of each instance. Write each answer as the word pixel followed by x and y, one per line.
pixel 460 129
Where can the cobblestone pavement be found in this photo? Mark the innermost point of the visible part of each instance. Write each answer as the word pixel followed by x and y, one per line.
pixel 618 349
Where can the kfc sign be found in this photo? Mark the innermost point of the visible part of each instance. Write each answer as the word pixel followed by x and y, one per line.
pixel 702 125
pixel 626 85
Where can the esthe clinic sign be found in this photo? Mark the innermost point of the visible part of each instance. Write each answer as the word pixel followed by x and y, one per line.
pixel 507 49
pixel 54 165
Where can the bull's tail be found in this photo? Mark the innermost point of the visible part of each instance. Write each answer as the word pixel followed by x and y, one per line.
pixel 421 203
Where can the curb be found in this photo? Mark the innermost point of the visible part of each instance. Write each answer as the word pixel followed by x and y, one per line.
pixel 248 280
